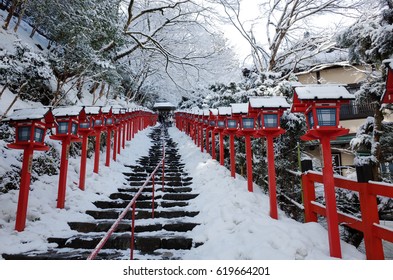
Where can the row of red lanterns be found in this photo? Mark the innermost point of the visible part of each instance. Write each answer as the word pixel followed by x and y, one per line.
pixel 260 117
pixel 71 124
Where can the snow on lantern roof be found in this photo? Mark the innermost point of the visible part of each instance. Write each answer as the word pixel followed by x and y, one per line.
pixel 92 110
pixel 106 109
pixel 388 63
pixel 225 111
pixel 323 92
pixel 67 111
pixel 214 112
pixel 239 108
pixel 269 102
pixel 28 114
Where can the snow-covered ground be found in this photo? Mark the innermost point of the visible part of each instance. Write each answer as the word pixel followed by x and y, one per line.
pixel 234 224
pixel 43 218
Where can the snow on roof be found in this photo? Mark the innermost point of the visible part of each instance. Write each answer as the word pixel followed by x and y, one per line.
pixel 92 110
pixel 214 111
pixel 269 102
pixel 206 112
pixel 106 109
pixel 240 108
pixel 28 114
pixel 67 111
pixel 388 62
pixel 225 111
pixel 163 105
pixel 323 92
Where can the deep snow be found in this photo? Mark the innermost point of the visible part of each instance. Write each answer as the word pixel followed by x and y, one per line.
pixel 234 224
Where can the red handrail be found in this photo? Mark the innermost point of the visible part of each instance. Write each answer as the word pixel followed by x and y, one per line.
pixel 374 233
pixel 132 203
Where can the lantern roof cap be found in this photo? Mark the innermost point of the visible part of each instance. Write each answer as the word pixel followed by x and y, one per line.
pixel 225 111
pixel 29 114
pixel 164 105
pixel 388 62
pixel 239 108
pixel 214 112
pixel 92 110
pixel 67 111
pixel 323 92
pixel 106 109
pixel 206 112
pixel 269 102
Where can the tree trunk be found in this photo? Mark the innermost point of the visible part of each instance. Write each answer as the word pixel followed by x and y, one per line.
pixel 376 149
pixel 14 101
pixel 21 14
pixel 33 31
pixel 10 14
pixel 3 90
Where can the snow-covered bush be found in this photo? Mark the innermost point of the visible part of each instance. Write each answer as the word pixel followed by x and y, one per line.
pixel 26 73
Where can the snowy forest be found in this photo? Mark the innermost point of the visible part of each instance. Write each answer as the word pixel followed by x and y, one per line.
pixel 106 52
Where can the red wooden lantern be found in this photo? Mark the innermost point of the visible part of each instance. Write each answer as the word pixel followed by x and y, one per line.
pixel 246 129
pixel 223 114
pixel 85 129
pixel 30 129
pixel 109 126
pixel 387 97
pixel 232 125
pixel 96 118
pixel 66 126
pixel 269 111
pixel 321 105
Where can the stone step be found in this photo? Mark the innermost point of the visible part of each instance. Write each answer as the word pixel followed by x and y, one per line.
pixel 144 244
pixel 104 226
pixel 179 196
pixel 129 196
pixel 75 254
pixel 123 204
pixel 158 188
pixel 140 214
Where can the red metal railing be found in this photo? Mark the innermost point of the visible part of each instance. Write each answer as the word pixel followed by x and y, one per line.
pixel 369 224
pixel 132 204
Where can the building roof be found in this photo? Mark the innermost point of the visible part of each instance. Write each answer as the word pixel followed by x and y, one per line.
pixel 164 105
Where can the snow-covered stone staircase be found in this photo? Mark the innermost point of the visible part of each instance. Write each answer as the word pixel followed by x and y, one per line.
pixel 163 237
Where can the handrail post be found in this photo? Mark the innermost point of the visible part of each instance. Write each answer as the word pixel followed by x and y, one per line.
pixel 308 197
pixel 132 232
pixel 163 165
pixel 152 200
pixel 369 210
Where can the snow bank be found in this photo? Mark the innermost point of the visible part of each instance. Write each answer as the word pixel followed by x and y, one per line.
pixel 43 218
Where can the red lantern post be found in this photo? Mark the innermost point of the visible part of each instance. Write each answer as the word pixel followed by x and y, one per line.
pixel 223 114
pixel 109 126
pixel 246 129
pixel 321 105
pixel 98 127
pixel 269 111
pixel 85 129
pixel 66 125
pixel 212 125
pixel 30 129
pixel 232 125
